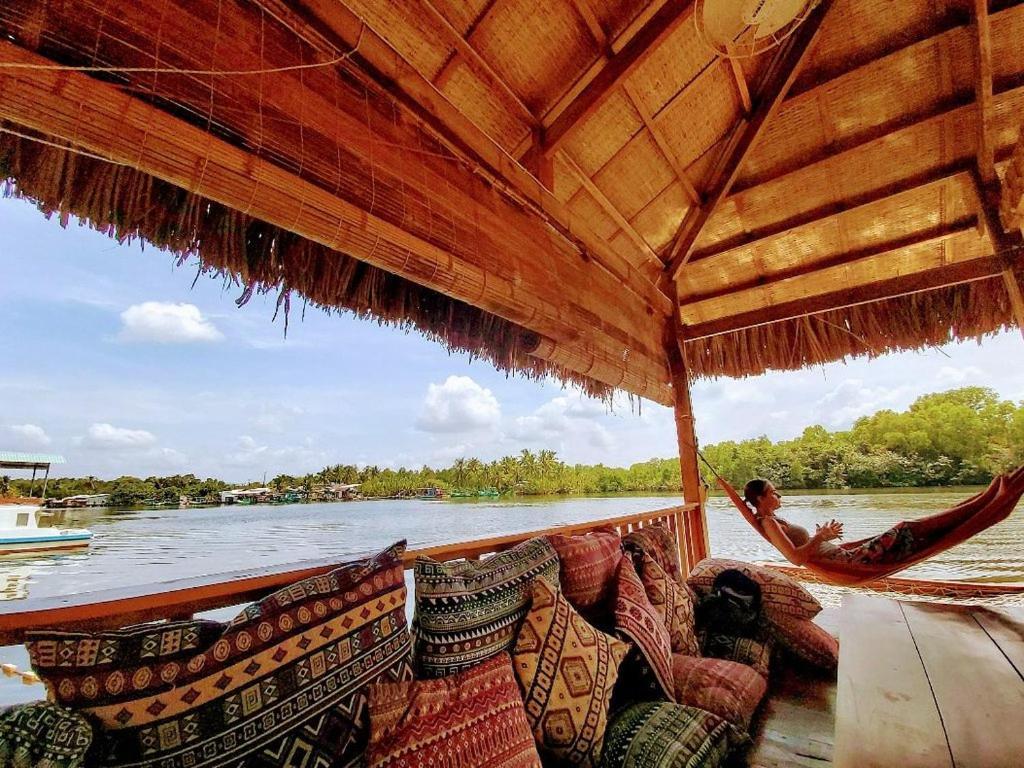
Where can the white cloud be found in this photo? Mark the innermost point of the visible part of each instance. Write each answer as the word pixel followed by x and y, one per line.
pixel 458 405
pixel 108 436
pixel 275 418
pixel 288 459
pixel 949 375
pixel 29 436
pixel 563 418
pixel 166 323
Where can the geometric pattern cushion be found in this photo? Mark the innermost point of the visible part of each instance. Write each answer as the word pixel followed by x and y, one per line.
pixel 43 734
pixel 284 683
pixel 567 671
pixel 727 689
pixel 663 735
pixel 675 604
pixel 468 612
pixel 743 650
pixel 469 720
pixel 806 640
pixel 780 595
pixel 637 620
pixel 658 542
pixel 587 566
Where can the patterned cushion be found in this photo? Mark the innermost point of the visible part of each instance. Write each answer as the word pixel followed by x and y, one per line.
pixel 658 542
pixel 467 612
pixel 567 670
pixel 663 735
pixel 587 567
pixel 41 735
pixel 287 677
pixel 674 602
pixel 806 640
pixel 780 595
pixel 474 719
pixel 742 650
pixel 730 690
pixel 637 620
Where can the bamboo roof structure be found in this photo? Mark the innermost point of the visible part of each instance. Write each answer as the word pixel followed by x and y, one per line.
pixel 572 189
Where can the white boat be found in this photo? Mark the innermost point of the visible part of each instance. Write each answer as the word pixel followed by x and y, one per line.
pixel 29 529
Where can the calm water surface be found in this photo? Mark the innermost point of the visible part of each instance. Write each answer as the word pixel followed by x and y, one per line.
pixel 149 546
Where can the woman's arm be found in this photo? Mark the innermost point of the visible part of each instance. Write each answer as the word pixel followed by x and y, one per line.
pixel 799 555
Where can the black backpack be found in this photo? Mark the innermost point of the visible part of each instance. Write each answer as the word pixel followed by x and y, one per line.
pixel 733 607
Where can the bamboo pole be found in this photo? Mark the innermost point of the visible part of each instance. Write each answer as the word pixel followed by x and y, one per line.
pixel 696 529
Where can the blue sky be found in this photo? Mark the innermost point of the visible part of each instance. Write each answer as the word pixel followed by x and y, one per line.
pixel 112 358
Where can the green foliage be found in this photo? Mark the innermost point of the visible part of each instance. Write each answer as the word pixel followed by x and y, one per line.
pixel 960 437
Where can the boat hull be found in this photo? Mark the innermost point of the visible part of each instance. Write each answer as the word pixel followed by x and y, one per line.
pixel 17 545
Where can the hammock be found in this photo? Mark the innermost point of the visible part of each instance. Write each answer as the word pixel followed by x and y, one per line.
pixel 964 521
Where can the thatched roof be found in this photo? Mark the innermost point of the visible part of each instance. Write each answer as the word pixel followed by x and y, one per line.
pixel 565 188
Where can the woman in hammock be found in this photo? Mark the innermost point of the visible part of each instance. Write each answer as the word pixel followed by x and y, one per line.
pixel 901 544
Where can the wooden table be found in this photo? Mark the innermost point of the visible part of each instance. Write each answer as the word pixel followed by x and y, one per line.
pixel 927 685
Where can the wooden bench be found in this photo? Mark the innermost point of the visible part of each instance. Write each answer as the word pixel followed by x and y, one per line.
pixel 927 685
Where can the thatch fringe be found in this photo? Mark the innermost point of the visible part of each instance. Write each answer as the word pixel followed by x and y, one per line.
pixel 967 311
pixel 126 204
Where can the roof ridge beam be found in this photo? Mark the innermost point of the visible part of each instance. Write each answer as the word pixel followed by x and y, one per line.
pixel 790 58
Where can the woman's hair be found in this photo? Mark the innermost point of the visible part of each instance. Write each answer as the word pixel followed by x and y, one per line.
pixel 754 490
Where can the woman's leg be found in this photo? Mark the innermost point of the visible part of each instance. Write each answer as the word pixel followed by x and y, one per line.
pixel 975 517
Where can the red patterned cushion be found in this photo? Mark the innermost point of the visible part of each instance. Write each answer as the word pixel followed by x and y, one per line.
pixel 287 676
pixel 743 650
pixel 474 719
pixel 658 542
pixel 806 640
pixel 727 689
pixel 587 566
pixel 675 604
pixel 567 671
pixel 637 620
pixel 780 595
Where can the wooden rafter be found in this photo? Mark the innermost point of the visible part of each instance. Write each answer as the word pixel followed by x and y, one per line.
pixel 742 89
pixel 593 25
pixel 659 139
pixel 1005 245
pixel 940 277
pixel 609 207
pixel 478 63
pixel 330 27
pixel 441 78
pixel 604 77
pixel 789 60
pixel 983 91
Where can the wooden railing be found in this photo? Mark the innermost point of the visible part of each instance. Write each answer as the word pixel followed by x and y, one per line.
pixel 183 598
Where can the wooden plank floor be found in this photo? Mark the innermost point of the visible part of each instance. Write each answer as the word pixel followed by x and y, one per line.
pixel 929 685
pixel 795 724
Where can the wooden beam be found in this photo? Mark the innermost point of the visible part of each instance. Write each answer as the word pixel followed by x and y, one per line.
pixel 102 119
pixel 478 63
pixel 330 27
pixel 742 90
pixel 659 139
pixel 696 529
pixel 593 26
pixel 944 276
pixel 602 79
pixel 790 59
pixel 1004 245
pixel 609 207
pixel 983 91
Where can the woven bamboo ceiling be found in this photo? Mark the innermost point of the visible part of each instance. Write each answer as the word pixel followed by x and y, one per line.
pixel 568 188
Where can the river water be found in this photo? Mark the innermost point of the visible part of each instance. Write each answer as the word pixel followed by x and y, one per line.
pixel 148 546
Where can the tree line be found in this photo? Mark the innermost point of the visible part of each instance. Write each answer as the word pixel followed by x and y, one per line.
pixel 960 437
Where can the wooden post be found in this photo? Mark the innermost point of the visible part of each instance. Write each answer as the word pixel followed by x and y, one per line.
pixel 696 529
pixel 46 479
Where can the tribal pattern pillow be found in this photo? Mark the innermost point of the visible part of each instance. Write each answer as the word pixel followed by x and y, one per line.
pixel 587 567
pixel 780 595
pixel 743 650
pixel 658 542
pixel 727 689
pixel 468 612
pixel 806 640
pixel 283 683
pixel 637 620
pixel 675 604
pixel 663 735
pixel 43 735
pixel 474 719
pixel 567 672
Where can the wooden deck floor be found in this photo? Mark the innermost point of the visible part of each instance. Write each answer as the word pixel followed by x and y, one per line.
pixel 925 685
pixel 795 726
